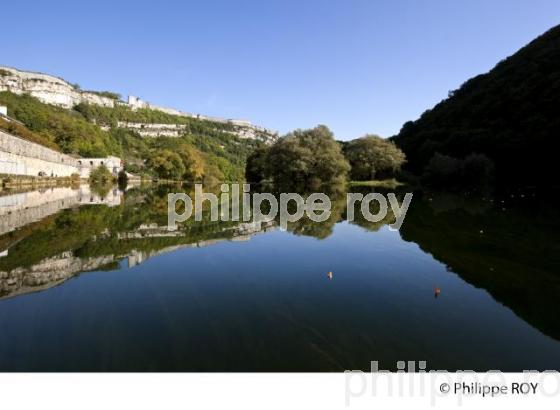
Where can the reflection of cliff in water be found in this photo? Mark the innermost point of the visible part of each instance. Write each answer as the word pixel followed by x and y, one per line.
pixel 43 248
pixel 510 249
pixel 53 270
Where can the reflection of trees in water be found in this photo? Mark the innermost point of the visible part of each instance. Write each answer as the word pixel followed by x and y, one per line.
pixel 443 202
pixel 97 236
pixel 320 230
pixel 374 208
pixel 92 236
pixel 511 251
pixel 338 196
pixel 101 189
pixel 95 230
pixel 95 227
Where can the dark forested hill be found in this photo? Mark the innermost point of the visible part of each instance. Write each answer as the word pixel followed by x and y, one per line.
pixel 510 115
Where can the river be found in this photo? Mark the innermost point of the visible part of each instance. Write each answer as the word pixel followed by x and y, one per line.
pixel 96 282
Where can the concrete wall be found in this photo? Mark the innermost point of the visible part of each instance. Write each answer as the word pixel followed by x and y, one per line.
pixel 22 157
pixel 114 164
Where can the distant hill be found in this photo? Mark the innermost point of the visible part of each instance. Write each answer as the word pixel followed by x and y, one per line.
pixel 511 115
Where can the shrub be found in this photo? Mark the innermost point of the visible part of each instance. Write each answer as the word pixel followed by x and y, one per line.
pixel 101 175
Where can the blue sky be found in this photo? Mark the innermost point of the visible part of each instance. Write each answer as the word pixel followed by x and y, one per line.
pixel 358 66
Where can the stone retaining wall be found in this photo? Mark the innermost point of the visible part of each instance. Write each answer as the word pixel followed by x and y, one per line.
pixel 22 157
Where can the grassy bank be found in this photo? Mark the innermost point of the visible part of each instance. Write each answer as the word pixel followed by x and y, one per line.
pixel 386 183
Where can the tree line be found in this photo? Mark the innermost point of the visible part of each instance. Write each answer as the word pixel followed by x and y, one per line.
pixel 312 158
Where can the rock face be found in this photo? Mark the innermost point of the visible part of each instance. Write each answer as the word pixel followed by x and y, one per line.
pixel 48 89
pixel 243 131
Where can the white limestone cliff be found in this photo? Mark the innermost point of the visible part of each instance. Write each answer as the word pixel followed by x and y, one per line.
pixel 48 89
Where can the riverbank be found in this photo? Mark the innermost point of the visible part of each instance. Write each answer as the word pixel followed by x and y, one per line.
pixel 22 181
pixel 386 183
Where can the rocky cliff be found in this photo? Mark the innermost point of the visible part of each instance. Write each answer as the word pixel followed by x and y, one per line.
pixel 48 89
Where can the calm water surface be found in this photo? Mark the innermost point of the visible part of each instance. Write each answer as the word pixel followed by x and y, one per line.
pixel 96 283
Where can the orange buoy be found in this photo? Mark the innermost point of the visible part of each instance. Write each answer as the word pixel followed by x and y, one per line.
pixel 437 291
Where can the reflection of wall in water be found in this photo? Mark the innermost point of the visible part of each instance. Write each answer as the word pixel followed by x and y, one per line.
pixel 20 209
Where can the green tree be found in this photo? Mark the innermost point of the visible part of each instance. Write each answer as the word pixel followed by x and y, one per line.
pixel 167 164
pixel 193 161
pixel 256 168
pixel 372 156
pixel 308 157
